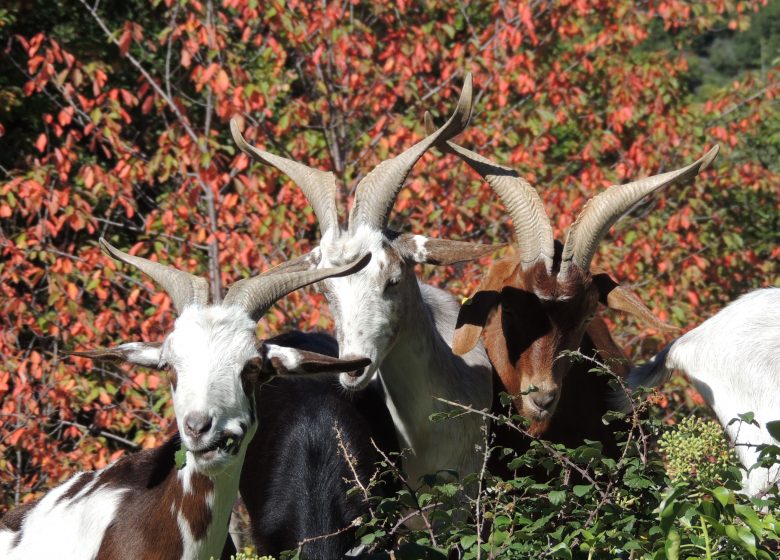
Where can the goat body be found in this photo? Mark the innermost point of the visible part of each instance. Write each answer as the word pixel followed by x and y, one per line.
pixel 296 475
pixel 142 506
pixel 733 360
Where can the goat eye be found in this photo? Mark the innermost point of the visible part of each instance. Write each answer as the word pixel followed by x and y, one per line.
pixel 392 282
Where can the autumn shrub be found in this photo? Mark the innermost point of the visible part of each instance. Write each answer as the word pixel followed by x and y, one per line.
pixel 113 122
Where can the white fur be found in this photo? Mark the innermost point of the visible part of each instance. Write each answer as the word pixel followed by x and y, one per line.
pixel 72 529
pixel 406 330
pixel 208 348
pixel 733 360
pixel 290 358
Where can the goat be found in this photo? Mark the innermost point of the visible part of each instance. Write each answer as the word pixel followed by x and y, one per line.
pixel 403 326
pixel 142 506
pixel 534 305
pixel 296 476
pixel 733 360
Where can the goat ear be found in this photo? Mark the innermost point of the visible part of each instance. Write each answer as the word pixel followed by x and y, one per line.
pixel 620 298
pixel 147 354
pixel 476 311
pixel 428 250
pixel 285 360
pixel 610 353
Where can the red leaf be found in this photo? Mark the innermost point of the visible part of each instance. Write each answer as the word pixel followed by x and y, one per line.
pixel 41 142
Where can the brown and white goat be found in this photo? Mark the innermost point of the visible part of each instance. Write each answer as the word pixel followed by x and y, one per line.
pixel 143 506
pixel 534 305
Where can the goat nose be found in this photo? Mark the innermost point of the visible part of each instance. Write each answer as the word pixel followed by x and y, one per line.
pixel 357 373
pixel 197 423
pixel 543 400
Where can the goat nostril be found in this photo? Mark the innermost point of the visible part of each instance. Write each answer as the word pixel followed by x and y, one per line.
pixel 543 400
pixel 197 423
pixel 357 373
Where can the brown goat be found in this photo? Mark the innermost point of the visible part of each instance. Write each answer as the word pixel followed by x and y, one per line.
pixel 542 301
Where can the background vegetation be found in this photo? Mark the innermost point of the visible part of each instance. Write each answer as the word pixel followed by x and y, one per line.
pixel 113 121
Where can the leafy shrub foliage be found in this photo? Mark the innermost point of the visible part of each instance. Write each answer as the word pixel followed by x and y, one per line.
pixel 113 119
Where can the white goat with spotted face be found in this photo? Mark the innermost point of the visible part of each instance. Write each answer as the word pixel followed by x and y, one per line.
pixel 143 506
pixel 385 314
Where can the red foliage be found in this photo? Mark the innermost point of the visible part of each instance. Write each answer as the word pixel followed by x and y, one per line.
pixel 133 144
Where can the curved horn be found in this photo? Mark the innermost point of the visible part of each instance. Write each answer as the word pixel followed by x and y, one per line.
pixel 533 232
pixel 376 192
pixel 184 288
pixel 319 187
pixel 258 293
pixel 606 208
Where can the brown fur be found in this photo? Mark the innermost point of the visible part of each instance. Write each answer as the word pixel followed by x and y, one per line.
pixel 147 528
pixel 528 317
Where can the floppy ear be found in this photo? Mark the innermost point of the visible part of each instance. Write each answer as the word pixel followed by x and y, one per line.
pixel 428 250
pixel 476 311
pixel 286 360
pixel 610 353
pixel 619 298
pixel 145 354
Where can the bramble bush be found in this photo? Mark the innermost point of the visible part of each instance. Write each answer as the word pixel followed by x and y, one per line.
pixel 113 121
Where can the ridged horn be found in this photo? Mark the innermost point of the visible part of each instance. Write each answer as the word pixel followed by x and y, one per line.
pixel 257 294
pixel 183 288
pixel 376 192
pixel 533 232
pixel 606 208
pixel 319 187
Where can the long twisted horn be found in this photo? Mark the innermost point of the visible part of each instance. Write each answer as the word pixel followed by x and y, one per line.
pixel 376 192
pixel 533 232
pixel 603 210
pixel 258 293
pixel 319 187
pixel 184 288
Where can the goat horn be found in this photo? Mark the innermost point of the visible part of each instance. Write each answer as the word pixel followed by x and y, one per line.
pixel 376 192
pixel 319 187
pixel 257 294
pixel 533 232
pixel 183 288
pixel 606 208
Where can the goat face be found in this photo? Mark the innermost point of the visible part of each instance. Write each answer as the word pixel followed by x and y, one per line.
pixel 214 358
pixel 532 320
pixel 371 307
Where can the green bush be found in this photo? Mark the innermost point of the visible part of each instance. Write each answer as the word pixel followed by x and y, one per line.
pixel 672 493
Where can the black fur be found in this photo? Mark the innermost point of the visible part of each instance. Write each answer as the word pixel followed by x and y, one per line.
pixel 293 481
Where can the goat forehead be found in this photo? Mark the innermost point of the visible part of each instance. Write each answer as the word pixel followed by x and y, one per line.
pixel 211 339
pixel 345 249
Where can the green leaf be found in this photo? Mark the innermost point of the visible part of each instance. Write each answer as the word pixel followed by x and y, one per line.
pixel 723 495
pixel 581 489
pixel 181 457
pixel 743 537
pixel 773 427
pixel 672 545
pixel 556 497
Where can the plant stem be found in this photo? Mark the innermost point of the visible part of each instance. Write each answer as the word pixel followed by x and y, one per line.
pixel 706 538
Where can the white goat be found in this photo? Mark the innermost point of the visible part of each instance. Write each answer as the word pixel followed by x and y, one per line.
pixel 142 506
pixel 383 313
pixel 733 360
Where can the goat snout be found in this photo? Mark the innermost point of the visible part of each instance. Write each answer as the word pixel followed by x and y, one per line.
pixel 543 400
pixel 356 373
pixel 196 424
